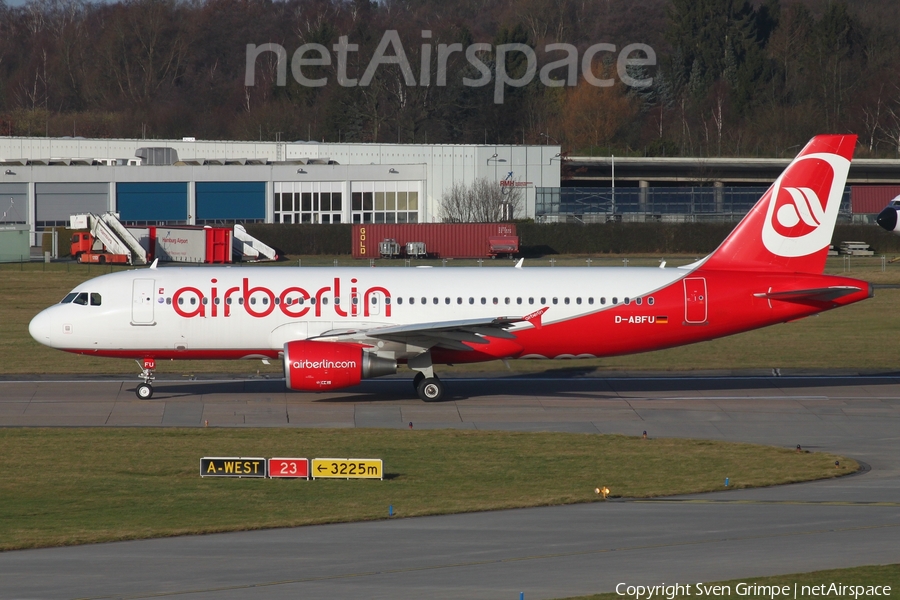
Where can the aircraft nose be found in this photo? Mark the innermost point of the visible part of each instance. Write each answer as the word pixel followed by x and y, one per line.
pixel 887 218
pixel 40 328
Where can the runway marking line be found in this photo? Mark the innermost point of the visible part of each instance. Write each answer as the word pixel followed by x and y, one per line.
pixel 248 586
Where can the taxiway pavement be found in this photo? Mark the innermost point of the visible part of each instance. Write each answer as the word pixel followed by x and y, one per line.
pixel 545 552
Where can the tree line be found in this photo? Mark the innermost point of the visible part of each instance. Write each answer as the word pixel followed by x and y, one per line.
pixel 730 77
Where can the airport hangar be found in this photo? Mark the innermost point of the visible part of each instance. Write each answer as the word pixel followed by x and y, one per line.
pixel 45 180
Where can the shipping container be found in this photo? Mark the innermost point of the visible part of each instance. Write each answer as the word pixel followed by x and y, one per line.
pixel 193 244
pixel 871 199
pixel 443 240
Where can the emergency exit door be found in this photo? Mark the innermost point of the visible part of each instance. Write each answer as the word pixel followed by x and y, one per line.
pixel 142 302
pixel 695 300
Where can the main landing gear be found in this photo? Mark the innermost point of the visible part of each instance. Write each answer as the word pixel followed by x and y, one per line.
pixel 426 383
pixel 144 391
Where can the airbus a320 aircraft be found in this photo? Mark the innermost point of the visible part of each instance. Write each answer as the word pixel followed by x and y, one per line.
pixel 334 327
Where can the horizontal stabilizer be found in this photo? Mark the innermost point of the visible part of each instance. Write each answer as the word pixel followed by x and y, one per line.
pixel 828 294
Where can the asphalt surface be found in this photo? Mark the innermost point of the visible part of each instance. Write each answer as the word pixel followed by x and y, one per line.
pixel 544 552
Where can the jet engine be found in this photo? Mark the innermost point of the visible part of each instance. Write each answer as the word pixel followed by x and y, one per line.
pixel 315 366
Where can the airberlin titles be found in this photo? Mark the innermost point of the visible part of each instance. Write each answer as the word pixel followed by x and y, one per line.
pixel 261 301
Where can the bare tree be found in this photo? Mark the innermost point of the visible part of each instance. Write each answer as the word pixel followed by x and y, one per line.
pixel 485 201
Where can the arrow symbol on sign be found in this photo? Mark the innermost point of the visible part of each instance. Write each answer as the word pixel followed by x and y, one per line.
pixel 321 468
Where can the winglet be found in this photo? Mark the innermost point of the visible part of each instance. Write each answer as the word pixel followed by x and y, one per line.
pixel 155 262
pixel 535 317
pixel 519 264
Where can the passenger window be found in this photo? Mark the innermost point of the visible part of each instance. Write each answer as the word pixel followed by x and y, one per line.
pixel 325 301
pixel 506 300
pixel 531 301
pixel 227 300
pixel 168 301
pixel 459 300
pixel 412 300
pixel 484 300
pixel 387 299
pixel 650 300
pixel 203 301
pixel 518 301
pixel 603 300
pixel 638 301
pixel 567 300
pixel 337 300
pixel 577 300
pixel 447 300
pixel 95 299
pixel 627 300
pixel 615 300
pixel 180 301
pixel 241 301
pixel 374 300
pixel 496 301
pixel 216 301
pixel 591 300
pixel 436 301
pixel 399 300
pixel 424 300
pixel 556 301
pixel 543 300
pixel 471 300
pixel 68 298
pixel 81 299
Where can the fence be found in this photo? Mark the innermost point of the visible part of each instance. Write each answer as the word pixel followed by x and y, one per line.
pixel 608 203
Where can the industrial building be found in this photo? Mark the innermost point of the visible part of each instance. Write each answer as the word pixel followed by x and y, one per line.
pixel 45 180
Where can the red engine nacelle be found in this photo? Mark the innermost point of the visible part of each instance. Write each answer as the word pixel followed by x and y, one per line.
pixel 314 366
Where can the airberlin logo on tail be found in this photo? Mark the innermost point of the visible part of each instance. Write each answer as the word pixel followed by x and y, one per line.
pixel 803 205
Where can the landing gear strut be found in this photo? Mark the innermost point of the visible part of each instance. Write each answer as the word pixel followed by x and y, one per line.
pixel 427 385
pixel 144 391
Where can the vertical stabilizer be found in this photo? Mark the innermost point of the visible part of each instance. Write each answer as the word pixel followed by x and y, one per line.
pixel 790 228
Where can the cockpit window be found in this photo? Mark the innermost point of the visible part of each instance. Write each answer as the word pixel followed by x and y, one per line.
pixel 68 298
pixel 81 299
pixel 95 299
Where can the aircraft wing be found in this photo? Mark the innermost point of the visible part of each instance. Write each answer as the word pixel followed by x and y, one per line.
pixel 439 334
pixel 828 294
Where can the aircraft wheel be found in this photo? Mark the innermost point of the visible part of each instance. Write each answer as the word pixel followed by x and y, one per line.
pixel 430 389
pixel 417 380
pixel 144 391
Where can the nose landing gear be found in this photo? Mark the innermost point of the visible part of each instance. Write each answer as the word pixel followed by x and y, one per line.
pixel 144 391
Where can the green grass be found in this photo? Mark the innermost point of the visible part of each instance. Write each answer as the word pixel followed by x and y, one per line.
pixel 860 336
pixel 876 575
pixel 73 486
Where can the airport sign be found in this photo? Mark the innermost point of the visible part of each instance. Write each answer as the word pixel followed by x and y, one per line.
pixel 347 468
pixel 232 467
pixel 296 468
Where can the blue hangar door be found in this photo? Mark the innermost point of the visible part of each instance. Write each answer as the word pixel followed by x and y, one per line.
pixel 229 202
pixel 152 202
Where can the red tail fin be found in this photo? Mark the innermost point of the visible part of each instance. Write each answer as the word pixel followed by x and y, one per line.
pixel 791 226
